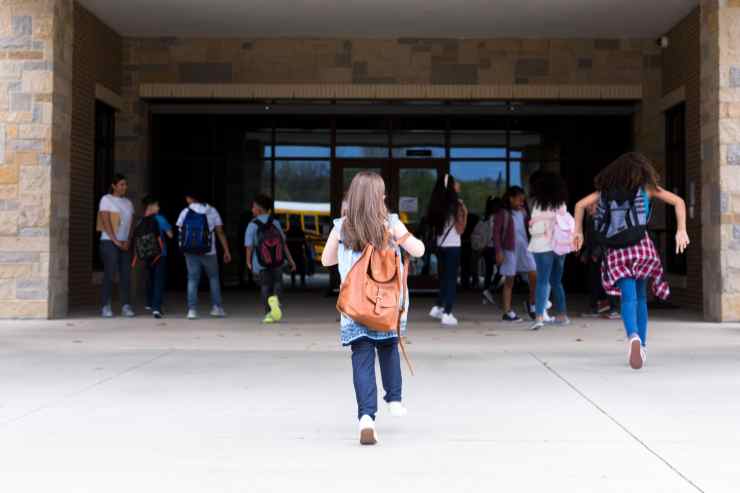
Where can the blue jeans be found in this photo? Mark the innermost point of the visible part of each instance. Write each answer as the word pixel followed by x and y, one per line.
pixel 115 260
pixel 549 277
pixel 449 263
pixel 209 263
pixel 363 373
pixel 634 307
pixel 155 284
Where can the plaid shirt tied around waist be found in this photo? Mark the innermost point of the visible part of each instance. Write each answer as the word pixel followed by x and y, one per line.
pixel 640 261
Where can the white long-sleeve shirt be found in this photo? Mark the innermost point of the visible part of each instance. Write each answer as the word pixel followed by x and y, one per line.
pixel 412 245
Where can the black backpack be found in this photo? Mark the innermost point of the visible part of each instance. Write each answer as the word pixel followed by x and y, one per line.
pixel 148 243
pixel 270 244
pixel 621 218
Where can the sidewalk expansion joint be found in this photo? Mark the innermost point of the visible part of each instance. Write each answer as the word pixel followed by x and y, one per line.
pixel 616 422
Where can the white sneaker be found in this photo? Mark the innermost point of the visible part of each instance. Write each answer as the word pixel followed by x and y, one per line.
pixel 218 311
pixel 107 312
pixel 643 353
pixel 367 431
pixel 127 311
pixel 448 319
pixel 537 325
pixel 437 312
pixel 192 314
pixel 635 353
pixel 397 409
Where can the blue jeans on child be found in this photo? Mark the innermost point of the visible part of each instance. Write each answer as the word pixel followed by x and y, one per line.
pixel 363 372
pixel 155 284
pixel 549 277
pixel 634 306
pixel 209 263
pixel 449 263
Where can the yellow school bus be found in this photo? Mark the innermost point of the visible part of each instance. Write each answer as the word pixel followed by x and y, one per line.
pixel 314 219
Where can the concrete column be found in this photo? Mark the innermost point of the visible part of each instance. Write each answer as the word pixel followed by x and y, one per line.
pixel 35 90
pixel 720 129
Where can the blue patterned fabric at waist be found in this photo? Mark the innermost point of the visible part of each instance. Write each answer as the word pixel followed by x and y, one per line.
pixel 351 331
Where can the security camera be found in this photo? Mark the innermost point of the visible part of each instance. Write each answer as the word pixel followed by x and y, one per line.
pixel 663 42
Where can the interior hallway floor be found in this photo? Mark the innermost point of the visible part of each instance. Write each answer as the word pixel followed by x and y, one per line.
pixel 122 405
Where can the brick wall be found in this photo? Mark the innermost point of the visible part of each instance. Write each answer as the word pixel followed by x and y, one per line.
pixel 682 69
pixel 97 60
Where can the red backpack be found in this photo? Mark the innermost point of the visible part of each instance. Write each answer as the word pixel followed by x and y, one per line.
pixel 270 244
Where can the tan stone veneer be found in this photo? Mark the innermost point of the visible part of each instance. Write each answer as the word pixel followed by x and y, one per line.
pixel 720 116
pixel 35 88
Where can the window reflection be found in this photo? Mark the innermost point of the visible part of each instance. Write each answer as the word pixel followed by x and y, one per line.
pixel 479 180
pixel 302 181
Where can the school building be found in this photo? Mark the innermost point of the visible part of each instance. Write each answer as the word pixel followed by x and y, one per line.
pixel 293 98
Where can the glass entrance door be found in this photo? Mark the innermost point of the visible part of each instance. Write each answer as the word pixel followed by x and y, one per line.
pixel 409 184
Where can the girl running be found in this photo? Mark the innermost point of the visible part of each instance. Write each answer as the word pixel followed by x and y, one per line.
pixel 512 254
pixel 448 218
pixel 624 193
pixel 366 221
pixel 549 199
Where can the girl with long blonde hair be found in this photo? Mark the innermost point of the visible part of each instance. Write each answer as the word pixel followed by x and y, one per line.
pixel 366 221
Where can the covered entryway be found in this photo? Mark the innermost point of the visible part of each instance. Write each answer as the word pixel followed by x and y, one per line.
pixel 305 155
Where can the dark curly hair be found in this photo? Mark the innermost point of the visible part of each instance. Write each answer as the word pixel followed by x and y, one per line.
pixel 443 204
pixel 628 172
pixel 511 192
pixel 549 191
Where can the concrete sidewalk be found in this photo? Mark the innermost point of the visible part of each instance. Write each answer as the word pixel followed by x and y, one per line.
pixel 91 405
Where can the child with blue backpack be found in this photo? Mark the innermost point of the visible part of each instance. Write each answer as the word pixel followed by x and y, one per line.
pixel 267 252
pixel 198 224
pixel 624 193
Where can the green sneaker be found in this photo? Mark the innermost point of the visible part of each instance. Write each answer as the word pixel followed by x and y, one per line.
pixel 268 319
pixel 274 303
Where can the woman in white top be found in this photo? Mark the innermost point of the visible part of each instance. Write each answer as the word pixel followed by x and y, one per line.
pixel 115 218
pixel 447 217
pixel 550 195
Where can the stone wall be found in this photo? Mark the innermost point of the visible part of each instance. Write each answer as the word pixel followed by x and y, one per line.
pixel 97 61
pixel 720 132
pixel 390 61
pixel 35 82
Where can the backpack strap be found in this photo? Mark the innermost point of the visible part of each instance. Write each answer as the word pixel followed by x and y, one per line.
pixel 404 284
pixel 444 238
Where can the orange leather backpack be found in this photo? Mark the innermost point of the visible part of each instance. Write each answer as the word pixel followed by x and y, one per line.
pixel 372 291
